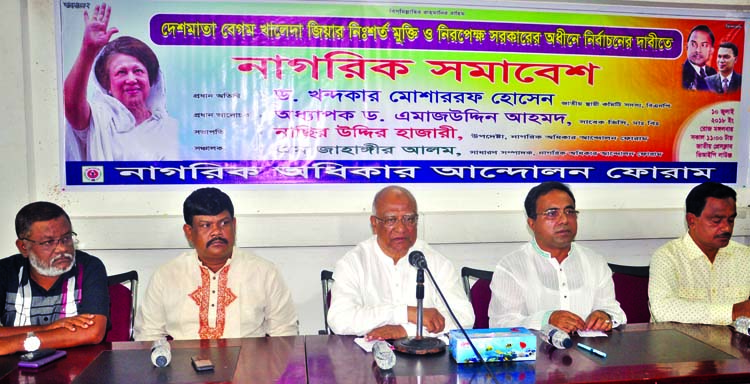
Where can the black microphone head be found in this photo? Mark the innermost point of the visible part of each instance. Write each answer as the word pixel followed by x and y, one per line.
pixel 416 259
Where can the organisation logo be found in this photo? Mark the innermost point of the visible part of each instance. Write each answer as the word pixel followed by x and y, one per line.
pixel 92 174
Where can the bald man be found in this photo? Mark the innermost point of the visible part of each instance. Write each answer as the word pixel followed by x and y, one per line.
pixel 374 293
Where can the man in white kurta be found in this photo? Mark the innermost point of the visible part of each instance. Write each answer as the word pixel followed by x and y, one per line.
pixel 374 293
pixel 371 291
pixel 217 290
pixel 532 284
pixel 552 280
pixel 245 298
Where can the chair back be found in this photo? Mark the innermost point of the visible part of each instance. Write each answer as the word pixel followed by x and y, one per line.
pixel 631 290
pixel 122 304
pixel 326 282
pixel 479 294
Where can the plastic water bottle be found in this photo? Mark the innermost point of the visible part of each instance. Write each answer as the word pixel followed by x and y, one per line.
pixel 161 353
pixel 742 325
pixel 556 336
pixel 383 355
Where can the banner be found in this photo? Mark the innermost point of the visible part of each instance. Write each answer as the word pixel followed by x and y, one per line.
pixel 241 92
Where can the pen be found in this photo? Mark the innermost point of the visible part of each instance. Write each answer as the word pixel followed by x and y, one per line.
pixel 592 350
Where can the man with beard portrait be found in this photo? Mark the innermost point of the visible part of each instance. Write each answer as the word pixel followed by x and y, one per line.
pixel 53 296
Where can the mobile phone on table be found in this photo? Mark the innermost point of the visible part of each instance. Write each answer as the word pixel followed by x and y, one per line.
pixel 40 362
pixel 38 354
pixel 201 364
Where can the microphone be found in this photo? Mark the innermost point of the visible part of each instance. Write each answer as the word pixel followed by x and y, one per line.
pixel 425 345
pixel 556 336
pixel 416 259
pixel 383 355
pixel 742 325
pixel 161 353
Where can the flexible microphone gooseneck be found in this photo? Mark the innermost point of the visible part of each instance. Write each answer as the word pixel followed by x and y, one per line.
pixel 417 259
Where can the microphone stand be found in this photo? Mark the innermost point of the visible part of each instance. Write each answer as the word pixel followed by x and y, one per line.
pixel 420 301
pixel 453 316
pixel 417 259
pixel 419 345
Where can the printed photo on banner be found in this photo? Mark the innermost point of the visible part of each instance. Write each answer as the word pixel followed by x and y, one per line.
pixel 261 93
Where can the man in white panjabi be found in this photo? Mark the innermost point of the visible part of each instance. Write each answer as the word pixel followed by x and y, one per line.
pixel 216 290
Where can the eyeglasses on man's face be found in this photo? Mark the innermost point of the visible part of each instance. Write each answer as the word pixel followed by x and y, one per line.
pixel 555 213
pixel 390 221
pixel 49 245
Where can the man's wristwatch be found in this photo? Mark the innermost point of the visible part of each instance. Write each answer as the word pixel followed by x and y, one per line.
pixel 32 342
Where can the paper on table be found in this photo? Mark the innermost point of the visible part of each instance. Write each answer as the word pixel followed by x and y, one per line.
pixel 583 333
pixel 364 344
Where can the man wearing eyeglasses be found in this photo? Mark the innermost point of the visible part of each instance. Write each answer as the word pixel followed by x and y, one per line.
pixel 53 296
pixel 374 293
pixel 551 279
pixel 216 290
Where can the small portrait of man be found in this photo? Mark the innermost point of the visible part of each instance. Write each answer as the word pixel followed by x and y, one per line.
pixel 727 80
pixel 700 48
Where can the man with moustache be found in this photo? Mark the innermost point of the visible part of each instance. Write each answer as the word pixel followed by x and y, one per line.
pixel 702 277
pixel 551 279
pixel 700 47
pixel 374 293
pixel 52 295
pixel 216 290
pixel 727 80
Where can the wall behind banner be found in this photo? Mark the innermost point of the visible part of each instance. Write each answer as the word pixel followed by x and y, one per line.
pixel 301 228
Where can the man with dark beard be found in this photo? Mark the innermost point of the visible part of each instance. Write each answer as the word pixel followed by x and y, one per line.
pixel 216 290
pixel 53 296
pixel 702 277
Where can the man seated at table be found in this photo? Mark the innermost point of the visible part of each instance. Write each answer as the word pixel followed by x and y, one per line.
pixel 216 290
pixel 551 279
pixel 702 277
pixel 375 289
pixel 53 296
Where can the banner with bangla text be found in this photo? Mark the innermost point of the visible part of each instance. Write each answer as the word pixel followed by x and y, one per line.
pixel 171 92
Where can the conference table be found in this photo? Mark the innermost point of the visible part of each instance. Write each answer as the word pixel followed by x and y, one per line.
pixel 636 353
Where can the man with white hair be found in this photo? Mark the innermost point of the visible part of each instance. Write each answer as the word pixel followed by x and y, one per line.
pixel 51 295
pixel 374 294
